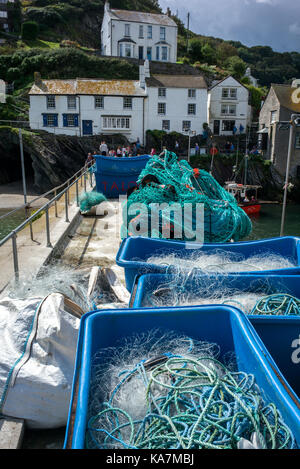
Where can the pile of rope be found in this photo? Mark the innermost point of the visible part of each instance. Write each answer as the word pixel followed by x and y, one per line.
pixel 165 180
pixel 278 304
pixel 186 402
pixel 87 200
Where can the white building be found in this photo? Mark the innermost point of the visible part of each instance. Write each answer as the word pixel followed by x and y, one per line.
pixel 92 106
pixel 139 35
pixel 228 107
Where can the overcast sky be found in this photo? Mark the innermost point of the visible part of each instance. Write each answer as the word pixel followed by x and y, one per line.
pixel 274 23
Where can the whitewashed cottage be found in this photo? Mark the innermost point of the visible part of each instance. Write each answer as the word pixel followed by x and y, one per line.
pixel 85 107
pixel 228 107
pixel 138 35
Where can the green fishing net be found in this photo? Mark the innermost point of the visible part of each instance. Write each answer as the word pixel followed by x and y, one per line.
pixel 87 200
pixel 166 181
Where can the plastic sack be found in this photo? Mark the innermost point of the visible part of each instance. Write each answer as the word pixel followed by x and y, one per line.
pixel 38 340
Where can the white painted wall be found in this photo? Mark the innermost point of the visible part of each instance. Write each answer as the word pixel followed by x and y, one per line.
pixel 215 101
pixel 176 109
pixel 116 28
pixel 113 106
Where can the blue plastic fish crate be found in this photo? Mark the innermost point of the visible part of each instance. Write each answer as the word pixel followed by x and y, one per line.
pixel 222 325
pixel 115 175
pixel 134 252
pixel 280 334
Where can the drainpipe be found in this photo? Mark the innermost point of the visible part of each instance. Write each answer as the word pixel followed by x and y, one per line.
pixel 79 120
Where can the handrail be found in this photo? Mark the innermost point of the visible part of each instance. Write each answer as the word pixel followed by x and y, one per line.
pixel 45 208
pixel 42 196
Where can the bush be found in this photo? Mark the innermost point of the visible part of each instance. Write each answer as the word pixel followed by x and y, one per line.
pixel 12 74
pixel 29 30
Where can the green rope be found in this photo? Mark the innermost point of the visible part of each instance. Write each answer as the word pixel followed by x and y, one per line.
pixel 190 403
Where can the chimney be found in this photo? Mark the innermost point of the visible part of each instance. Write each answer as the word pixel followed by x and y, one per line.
pixel 37 79
pixel 142 77
pixel 168 11
pixel 106 6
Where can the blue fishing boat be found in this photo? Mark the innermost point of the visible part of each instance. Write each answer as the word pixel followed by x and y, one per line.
pixel 115 175
pixel 135 252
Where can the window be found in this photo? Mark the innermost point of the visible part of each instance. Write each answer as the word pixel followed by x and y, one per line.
pixel 297 142
pixel 162 92
pixel 50 102
pixel 127 50
pixel 127 103
pixel 157 52
pixel 70 120
pixel 50 120
pixel 71 102
pixel 149 53
pixel 191 108
pixel 228 126
pixel 99 102
pixel 228 109
pixel 162 33
pixel 117 122
pixel 149 32
pixel 186 126
pixel 141 32
pixel 229 93
pixel 164 53
pixel 161 108
pixel 273 116
pixel 127 30
pixel 3 14
pixel 165 125
pixel 192 93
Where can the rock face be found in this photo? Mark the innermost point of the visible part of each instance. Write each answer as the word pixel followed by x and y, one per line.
pixel 49 159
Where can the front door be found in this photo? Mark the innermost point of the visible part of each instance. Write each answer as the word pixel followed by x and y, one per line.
pixel 141 52
pixel 87 127
pixel 217 127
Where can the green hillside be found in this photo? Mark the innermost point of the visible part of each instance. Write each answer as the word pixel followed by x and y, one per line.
pixel 61 40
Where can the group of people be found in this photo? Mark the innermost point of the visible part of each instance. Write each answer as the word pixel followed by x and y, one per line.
pixel 119 151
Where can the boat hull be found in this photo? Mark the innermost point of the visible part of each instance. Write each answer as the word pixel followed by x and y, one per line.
pixel 251 209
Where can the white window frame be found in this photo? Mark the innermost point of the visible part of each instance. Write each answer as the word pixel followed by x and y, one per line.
pixel 72 102
pixel 141 31
pixel 149 32
pixel 229 93
pixel 192 109
pixel 164 53
pixel 165 125
pixel 127 102
pixel 186 126
pixel 99 102
pixel 273 117
pixel 161 109
pixel 162 92
pixel 116 122
pixel 224 122
pixel 192 93
pixel 51 119
pixel 228 109
pixel 51 101
pixel 127 30
pixel 162 33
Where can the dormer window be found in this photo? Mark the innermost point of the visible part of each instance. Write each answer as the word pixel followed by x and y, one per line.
pixel 127 30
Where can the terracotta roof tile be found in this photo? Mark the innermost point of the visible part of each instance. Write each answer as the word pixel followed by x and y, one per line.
pixel 88 87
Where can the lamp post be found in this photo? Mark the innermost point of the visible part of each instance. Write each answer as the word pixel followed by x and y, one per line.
pixel 295 121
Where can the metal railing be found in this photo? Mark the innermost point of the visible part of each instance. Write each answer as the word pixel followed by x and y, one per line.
pixel 78 178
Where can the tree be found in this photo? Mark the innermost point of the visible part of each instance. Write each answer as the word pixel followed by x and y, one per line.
pixel 29 30
pixel 224 51
pixel 208 54
pixel 236 66
pixel 195 49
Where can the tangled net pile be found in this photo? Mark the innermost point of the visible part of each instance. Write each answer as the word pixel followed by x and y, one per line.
pixel 259 298
pixel 87 200
pixel 177 183
pixel 180 398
